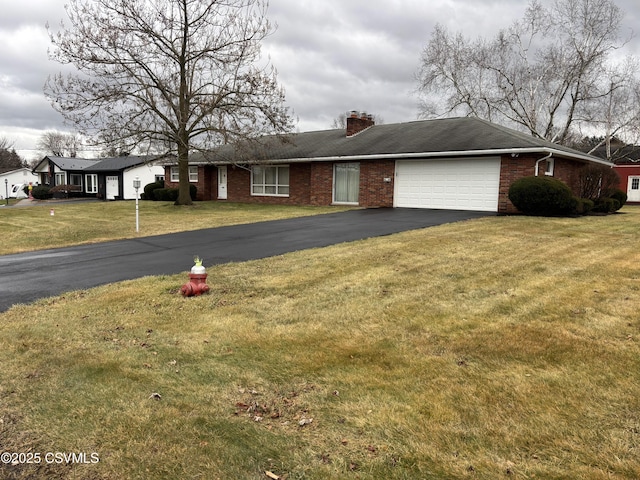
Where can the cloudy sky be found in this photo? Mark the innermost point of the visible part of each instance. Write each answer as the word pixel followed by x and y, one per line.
pixel 331 55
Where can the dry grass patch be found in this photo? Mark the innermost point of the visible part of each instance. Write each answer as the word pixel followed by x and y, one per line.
pixel 497 348
pixel 31 228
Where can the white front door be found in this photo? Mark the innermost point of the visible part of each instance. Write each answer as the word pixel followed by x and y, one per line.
pixel 633 189
pixel 222 182
pixel 112 188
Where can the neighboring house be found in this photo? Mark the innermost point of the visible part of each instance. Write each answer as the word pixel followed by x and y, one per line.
pixel 454 163
pixel 107 178
pixel 627 164
pixel 20 176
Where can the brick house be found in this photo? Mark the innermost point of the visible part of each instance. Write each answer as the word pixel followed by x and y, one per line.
pixel 454 163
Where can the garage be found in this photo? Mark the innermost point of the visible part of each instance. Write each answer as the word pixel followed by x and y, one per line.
pixel 448 183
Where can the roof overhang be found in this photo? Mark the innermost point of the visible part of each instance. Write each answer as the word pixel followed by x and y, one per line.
pixel 554 152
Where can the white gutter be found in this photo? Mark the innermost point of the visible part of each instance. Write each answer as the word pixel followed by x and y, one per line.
pixel 399 156
pixel 540 160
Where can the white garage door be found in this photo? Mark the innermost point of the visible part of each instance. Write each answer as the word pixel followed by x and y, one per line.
pixel 450 184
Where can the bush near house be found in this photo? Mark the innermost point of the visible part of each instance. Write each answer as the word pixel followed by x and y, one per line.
pixel 156 191
pixel 149 188
pixel 66 191
pixel 41 192
pixel 599 183
pixel 543 196
pixel 165 194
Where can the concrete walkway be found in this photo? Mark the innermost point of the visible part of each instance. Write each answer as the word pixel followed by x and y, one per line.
pixel 26 277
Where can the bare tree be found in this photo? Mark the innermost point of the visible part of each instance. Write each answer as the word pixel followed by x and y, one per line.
pixel 549 74
pixel 60 144
pixel 183 74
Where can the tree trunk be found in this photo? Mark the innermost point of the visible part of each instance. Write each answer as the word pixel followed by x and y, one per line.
pixel 184 195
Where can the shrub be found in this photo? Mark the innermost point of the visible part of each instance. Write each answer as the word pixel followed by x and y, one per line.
pixel 41 192
pixel 583 206
pixel 620 196
pixel 606 205
pixel 193 191
pixel 149 188
pixel 545 196
pixel 165 194
pixel 596 180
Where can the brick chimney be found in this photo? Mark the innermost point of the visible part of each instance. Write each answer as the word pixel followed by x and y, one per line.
pixel 357 122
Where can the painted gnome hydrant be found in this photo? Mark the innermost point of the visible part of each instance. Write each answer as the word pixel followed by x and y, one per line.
pixel 197 280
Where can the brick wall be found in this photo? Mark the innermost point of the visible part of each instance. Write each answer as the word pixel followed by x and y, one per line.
pixel 239 186
pixel 374 191
pixel 321 183
pixel 524 166
pixel 207 184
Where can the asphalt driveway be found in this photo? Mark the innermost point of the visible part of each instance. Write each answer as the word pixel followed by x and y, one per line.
pixel 26 277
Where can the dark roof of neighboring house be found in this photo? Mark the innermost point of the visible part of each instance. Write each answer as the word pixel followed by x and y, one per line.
pixel 120 163
pixel 99 164
pixel 425 138
pixel 621 155
pixel 65 163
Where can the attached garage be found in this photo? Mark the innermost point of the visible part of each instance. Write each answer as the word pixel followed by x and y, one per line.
pixel 448 183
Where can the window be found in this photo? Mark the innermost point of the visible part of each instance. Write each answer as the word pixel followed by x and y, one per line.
pixel 61 178
pixel 75 179
pixel 91 181
pixel 346 183
pixel 193 174
pixel 270 180
pixel 159 178
pixel 635 184
pixel 549 168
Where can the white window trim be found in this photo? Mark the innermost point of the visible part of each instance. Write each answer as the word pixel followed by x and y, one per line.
pixel 174 175
pixel 93 183
pixel 549 167
pixel 277 185
pixel 62 175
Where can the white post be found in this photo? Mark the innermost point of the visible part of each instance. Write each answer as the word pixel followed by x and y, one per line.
pixel 136 185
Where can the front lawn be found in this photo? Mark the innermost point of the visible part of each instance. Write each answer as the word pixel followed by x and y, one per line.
pixel 58 224
pixel 504 347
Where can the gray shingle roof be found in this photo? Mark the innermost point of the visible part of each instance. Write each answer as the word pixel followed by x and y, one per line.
pixel 449 136
pixel 119 163
pixel 112 164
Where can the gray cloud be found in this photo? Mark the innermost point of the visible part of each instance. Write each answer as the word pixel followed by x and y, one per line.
pixel 331 55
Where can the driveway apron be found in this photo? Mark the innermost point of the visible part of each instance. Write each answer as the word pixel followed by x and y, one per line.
pixel 26 277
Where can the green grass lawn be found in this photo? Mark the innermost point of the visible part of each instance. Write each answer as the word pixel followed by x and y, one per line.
pixel 504 347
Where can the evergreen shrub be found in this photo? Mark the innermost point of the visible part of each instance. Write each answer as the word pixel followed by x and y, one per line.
pixel 543 196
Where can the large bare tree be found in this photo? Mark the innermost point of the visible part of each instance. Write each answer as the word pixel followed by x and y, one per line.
pixel 552 73
pixel 180 75
pixel 60 144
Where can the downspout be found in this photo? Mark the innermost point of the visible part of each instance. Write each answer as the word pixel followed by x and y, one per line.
pixel 540 160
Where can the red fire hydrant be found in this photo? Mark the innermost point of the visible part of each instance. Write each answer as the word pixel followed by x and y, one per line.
pixel 197 281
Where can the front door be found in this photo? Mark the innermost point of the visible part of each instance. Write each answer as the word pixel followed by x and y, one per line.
pixel 222 182
pixel 112 188
pixel 633 189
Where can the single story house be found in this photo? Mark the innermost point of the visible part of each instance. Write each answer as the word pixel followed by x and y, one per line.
pixel 453 163
pixel 20 176
pixel 107 178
